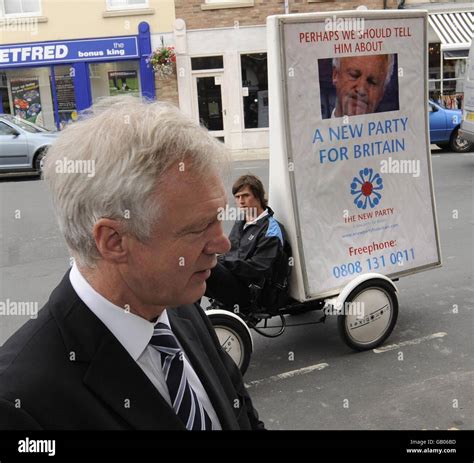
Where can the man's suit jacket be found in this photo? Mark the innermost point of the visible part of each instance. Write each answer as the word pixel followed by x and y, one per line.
pixel 65 370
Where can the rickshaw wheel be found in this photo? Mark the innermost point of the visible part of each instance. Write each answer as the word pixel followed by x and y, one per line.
pixel 379 303
pixel 234 339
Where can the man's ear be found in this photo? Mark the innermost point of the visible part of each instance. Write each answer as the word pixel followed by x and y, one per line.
pixel 111 240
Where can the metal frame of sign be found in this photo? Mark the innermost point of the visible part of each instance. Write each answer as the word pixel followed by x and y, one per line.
pixel 280 136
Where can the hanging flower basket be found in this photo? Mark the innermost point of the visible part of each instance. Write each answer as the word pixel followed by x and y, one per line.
pixel 163 60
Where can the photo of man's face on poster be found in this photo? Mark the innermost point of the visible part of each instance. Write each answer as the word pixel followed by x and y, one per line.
pixel 357 85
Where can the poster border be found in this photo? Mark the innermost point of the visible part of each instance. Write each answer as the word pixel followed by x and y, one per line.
pixel 320 17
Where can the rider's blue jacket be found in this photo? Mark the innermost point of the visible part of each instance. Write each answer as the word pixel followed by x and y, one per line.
pixel 256 248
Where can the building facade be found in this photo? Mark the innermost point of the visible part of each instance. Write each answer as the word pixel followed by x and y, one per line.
pixel 222 66
pixel 222 62
pixel 450 33
pixel 58 57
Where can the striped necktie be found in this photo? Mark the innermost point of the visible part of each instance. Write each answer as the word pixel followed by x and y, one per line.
pixel 183 397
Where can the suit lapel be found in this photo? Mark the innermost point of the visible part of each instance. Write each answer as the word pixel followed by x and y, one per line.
pixel 112 374
pixel 186 334
pixel 123 385
pixel 116 378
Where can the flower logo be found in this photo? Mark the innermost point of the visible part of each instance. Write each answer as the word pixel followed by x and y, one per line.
pixel 365 188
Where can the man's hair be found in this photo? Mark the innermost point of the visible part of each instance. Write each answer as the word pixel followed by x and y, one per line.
pixel 255 185
pixel 336 63
pixel 132 143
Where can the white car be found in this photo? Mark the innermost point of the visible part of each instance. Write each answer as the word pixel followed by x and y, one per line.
pixel 22 144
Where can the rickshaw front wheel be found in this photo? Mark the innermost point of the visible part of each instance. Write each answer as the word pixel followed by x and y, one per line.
pixel 233 337
pixel 369 315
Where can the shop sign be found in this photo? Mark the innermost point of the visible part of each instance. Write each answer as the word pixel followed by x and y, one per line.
pixel 114 48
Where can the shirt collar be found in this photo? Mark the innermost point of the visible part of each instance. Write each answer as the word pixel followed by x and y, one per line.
pixel 263 214
pixel 132 331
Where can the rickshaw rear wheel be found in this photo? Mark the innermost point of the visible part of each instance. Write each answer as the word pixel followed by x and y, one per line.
pixel 234 338
pixel 369 315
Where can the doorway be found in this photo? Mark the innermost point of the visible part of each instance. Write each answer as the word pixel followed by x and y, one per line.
pixel 209 108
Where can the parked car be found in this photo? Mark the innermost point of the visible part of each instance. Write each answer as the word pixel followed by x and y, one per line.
pixel 444 129
pixel 22 144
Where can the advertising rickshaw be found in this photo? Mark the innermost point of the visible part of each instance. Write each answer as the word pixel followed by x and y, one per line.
pixel 350 173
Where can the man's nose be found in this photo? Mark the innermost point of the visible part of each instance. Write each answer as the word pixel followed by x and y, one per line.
pixel 361 87
pixel 219 243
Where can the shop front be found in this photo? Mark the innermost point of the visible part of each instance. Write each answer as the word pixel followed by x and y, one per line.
pixel 223 83
pixel 449 43
pixel 48 83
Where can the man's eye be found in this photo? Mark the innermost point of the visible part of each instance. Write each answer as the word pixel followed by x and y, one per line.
pixel 198 232
pixel 201 230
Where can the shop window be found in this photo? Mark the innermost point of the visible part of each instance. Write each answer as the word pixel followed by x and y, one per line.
pixel 112 79
pixel 207 62
pixel 30 97
pixel 435 91
pixel 21 7
pixel 447 74
pixel 454 68
pixel 255 90
pixel 4 99
pixel 65 96
pixel 126 4
pixel 454 74
pixel 434 61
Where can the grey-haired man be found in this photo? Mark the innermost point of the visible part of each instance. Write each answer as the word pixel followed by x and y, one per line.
pixel 120 344
pixel 360 83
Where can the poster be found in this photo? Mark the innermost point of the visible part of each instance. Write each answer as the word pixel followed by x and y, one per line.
pixel 123 83
pixel 357 148
pixel 65 93
pixel 66 99
pixel 26 98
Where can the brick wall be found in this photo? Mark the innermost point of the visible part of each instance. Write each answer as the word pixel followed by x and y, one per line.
pixel 196 18
pixel 167 90
pixel 302 6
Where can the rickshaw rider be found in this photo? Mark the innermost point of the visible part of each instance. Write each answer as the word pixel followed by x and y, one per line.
pixel 259 254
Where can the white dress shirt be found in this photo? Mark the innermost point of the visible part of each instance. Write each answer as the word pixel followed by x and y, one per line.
pixel 134 333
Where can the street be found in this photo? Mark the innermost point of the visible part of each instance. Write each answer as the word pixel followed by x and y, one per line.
pixel 308 378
